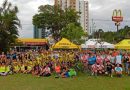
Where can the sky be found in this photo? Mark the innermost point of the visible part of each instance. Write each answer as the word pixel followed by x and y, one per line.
pixel 99 10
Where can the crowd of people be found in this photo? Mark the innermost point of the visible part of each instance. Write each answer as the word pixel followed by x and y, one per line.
pixel 107 62
pixel 65 63
pixel 38 63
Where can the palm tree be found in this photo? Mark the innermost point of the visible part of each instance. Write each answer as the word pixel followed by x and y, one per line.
pixel 9 24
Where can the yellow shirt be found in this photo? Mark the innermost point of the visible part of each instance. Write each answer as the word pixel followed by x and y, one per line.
pixel 16 68
pixel 2 69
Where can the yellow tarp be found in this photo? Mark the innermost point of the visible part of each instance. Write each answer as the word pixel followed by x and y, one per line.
pixel 124 44
pixel 65 44
pixel 24 40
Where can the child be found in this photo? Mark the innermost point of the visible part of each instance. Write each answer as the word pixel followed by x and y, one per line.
pixel 64 73
pixel 118 70
pixel 109 69
pixel 58 70
pixel 72 73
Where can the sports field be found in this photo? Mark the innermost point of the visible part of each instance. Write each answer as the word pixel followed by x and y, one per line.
pixel 82 82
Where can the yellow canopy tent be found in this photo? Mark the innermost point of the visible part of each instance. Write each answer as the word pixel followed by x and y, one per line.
pixel 124 44
pixel 65 44
pixel 31 41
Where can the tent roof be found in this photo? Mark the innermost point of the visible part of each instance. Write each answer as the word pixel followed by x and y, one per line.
pixel 31 40
pixel 124 44
pixel 65 44
pixel 93 43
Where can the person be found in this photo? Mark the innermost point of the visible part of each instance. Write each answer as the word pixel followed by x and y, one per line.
pixel 3 58
pixel 119 59
pixel 100 68
pixel 112 59
pixel 91 61
pixel 107 58
pixel 36 69
pixel 25 68
pixel 22 68
pixel 3 70
pixel 72 72
pixel 118 70
pixel 126 62
pixel 109 69
pixel 14 56
pixel 58 70
pixel 46 72
pixel 84 59
pixel 64 73
pixel 99 59
pixel 8 56
pixel 29 68
pixel 7 69
pixel 16 68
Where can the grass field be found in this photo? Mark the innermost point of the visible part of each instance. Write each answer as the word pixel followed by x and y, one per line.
pixel 81 82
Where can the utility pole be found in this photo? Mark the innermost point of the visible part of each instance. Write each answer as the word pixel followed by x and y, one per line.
pixel 117 24
pixel 90 31
pixel 93 27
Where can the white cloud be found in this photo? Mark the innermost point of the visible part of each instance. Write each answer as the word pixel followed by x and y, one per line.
pixel 27 8
pixel 99 9
pixel 103 9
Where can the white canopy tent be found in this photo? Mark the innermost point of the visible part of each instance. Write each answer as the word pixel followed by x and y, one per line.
pixel 94 43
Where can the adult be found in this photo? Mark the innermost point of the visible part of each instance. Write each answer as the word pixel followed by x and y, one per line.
pixel 126 61
pixel 46 72
pixel 91 61
pixel 119 59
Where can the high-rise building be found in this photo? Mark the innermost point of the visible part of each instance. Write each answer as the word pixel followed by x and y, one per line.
pixel 66 3
pixel 37 32
pixel 84 16
pixel 41 33
pixel 80 6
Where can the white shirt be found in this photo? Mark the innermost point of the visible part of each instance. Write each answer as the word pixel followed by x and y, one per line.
pixel 118 59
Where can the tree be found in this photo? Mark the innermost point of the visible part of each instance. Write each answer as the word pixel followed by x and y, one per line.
pixel 73 32
pixel 98 34
pixel 114 37
pixel 9 24
pixel 54 18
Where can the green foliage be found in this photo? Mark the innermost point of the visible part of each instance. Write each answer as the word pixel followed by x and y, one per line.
pixel 113 37
pixel 9 24
pixel 73 33
pixel 55 18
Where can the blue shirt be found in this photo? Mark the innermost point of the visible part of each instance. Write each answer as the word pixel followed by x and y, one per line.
pixel 118 69
pixel 14 56
pixel 8 56
pixel 92 60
